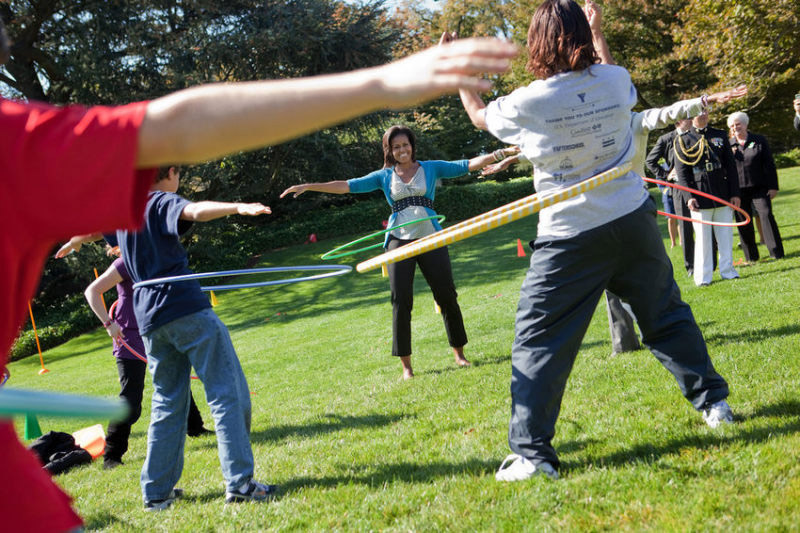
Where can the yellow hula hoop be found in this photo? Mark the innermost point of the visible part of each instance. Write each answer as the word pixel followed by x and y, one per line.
pixel 490 220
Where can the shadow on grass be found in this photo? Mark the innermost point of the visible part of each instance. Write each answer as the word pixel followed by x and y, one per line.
pixel 331 423
pixel 572 446
pixel 650 452
pixel 381 474
pixel 496 360
pixel 752 335
pixel 782 408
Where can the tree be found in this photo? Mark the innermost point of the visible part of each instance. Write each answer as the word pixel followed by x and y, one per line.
pixel 117 51
pixel 754 42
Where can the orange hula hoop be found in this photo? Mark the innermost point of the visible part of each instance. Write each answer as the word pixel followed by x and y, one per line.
pixel 744 222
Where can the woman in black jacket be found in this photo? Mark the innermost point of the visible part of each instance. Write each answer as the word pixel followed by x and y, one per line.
pixel 758 185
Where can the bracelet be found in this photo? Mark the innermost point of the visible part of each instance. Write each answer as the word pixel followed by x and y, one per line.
pixel 108 322
pixel 704 102
pixel 498 154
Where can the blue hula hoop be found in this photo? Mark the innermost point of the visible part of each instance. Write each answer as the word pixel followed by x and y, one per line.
pixel 335 270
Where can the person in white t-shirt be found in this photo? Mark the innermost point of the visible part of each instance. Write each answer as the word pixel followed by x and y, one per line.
pixel 572 123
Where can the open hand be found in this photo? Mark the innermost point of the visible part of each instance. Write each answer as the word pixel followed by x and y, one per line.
pixel 726 96
pixel 594 14
pixel 253 209
pixel 67 249
pixel 446 68
pixel 114 331
pixel 295 190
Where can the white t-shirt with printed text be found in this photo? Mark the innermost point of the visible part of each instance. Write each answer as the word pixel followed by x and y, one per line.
pixel 573 126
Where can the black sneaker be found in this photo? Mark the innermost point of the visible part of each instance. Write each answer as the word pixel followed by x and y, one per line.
pixel 109 463
pixel 252 492
pixel 159 505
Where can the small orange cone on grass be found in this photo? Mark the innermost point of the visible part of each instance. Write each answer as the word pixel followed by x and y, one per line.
pixel 520 249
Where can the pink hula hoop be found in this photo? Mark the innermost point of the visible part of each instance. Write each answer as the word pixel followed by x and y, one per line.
pixel 745 222
pixel 121 340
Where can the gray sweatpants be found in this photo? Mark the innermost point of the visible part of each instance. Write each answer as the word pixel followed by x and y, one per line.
pixel 560 293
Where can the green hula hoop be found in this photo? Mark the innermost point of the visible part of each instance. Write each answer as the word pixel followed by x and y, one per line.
pixel 333 255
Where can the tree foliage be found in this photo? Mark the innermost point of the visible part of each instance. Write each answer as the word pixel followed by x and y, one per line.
pixel 673 49
pixel 755 42
pixel 113 51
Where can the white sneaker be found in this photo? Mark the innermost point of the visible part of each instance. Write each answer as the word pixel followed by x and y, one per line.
pixel 718 413
pixel 521 469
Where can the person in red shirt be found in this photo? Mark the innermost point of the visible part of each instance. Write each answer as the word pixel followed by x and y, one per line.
pixel 56 158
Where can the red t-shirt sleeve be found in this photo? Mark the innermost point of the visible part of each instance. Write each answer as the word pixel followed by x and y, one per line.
pixel 65 171
pixel 72 168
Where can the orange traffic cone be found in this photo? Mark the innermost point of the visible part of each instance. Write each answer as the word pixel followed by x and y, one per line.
pixel 91 439
pixel 214 301
pixel 520 249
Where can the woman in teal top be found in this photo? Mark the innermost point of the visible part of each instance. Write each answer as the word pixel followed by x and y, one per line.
pixel 409 187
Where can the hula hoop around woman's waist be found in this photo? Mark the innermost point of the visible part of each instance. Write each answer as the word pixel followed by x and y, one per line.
pixel 333 255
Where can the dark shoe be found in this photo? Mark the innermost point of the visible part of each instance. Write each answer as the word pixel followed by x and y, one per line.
pixel 690 271
pixel 252 492
pixel 152 506
pixel 110 463
pixel 200 432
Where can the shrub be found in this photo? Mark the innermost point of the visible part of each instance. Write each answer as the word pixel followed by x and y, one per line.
pixel 788 159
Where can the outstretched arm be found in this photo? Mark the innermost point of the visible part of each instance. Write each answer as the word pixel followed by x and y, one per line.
pixel 94 295
pixel 75 243
pixel 477 163
pixel 210 121
pixel 502 165
pixel 205 211
pixel 594 14
pixel 331 187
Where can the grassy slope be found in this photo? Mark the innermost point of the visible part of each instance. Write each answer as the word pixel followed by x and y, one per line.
pixel 356 448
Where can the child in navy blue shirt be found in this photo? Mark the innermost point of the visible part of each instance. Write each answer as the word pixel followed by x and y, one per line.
pixel 180 331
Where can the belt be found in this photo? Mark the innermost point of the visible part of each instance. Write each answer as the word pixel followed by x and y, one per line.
pixel 408 201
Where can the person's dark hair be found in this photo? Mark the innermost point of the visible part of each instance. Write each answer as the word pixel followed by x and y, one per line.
pixel 5 47
pixel 559 39
pixel 391 133
pixel 163 173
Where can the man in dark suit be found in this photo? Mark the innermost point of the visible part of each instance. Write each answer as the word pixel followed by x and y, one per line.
pixel 704 161
pixel 663 150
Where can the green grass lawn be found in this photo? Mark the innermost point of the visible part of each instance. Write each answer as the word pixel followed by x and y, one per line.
pixel 355 448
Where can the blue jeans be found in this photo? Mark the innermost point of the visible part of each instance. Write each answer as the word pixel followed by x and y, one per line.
pixel 199 340
pixel 561 290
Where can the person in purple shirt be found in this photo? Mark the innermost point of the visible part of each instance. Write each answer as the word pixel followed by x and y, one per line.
pixel 129 353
